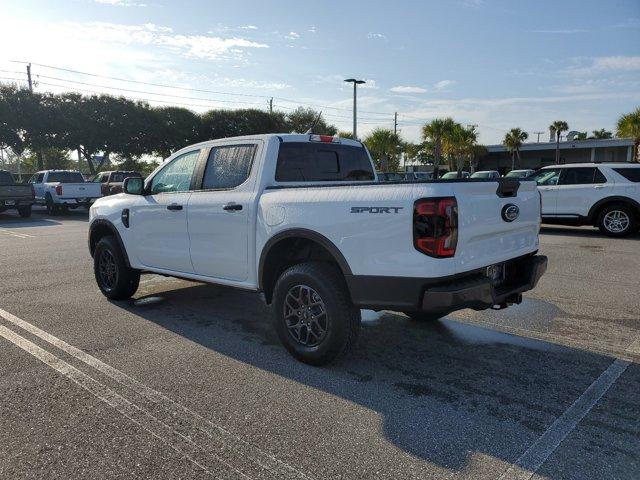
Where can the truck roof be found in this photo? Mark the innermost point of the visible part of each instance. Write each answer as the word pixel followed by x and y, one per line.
pixel 284 137
pixel 602 164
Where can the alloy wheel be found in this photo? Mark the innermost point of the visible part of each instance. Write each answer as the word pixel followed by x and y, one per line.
pixel 108 269
pixel 616 221
pixel 305 315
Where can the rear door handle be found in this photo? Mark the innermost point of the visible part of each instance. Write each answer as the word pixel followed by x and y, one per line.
pixel 232 207
pixel 174 206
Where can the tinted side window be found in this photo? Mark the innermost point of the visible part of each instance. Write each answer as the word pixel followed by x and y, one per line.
pixel 317 162
pixel 176 176
pixel 228 166
pixel 631 174
pixel 578 176
pixel 599 177
pixel 546 177
pixel 6 178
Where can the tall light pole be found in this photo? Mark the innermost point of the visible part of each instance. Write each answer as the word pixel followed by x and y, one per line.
pixel 355 115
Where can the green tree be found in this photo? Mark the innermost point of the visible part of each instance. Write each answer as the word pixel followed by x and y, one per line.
pixel 344 134
pixel 558 127
pixel 177 127
pixel 629 126
pixel 52 158
pixel 438 132
pixel 301 119
pixel 513 140
pixel 602 134
pixel 385 147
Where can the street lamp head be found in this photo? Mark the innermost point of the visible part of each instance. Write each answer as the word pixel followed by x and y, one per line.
pixel 358 82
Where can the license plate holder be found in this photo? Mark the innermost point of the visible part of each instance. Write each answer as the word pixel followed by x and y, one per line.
pixel 10 203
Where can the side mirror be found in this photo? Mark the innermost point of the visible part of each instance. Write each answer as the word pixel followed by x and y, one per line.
pixel 133 185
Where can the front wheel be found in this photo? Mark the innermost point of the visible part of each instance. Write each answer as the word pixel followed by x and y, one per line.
pixel 617 221
pixel 24 211
pixel 115 279
pixel 313 314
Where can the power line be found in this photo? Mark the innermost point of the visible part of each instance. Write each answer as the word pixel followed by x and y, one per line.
pixel 215 92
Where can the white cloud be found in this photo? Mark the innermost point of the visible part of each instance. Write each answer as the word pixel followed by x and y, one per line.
pixel 370 84
pixel 121 3
pixel 292 36
pixel 600 65
pixel 197 46
pixel 313 29
pixel 471 3
pixel 248 27
pixel 408 89
pixel 443 84
pixel 378 36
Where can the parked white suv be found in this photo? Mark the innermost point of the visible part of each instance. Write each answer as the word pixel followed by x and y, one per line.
pixel 302 220
pixel 605 195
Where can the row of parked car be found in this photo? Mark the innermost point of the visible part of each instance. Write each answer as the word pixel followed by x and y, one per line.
pixel 58 190
pixel 418 176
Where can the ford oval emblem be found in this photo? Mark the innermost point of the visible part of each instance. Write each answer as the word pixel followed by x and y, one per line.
pixel 510 212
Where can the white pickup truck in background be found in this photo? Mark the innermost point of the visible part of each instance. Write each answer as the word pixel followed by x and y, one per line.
pixel 303 220
pixel 62 189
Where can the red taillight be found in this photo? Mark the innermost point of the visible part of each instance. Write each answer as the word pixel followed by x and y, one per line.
pixel 58 190
pixel 324 138
pixel 435 226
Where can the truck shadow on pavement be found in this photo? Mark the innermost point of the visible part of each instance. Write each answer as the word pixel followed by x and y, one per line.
pixel 39 218
pixel 445 391
pixel 589 232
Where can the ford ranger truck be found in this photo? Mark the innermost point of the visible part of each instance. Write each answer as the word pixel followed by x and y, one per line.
pixel 303 221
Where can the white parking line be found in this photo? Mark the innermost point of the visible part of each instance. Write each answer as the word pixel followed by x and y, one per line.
pixel 531 460
pixel 229 449
pixel 11 233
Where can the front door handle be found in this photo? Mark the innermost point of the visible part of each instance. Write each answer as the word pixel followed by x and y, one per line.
pixel 232 207
pixel 599 186
pixel 174 206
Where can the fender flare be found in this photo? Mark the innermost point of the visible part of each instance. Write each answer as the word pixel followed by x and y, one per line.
pixel 612 199
pixel 101 223
pixel 306 234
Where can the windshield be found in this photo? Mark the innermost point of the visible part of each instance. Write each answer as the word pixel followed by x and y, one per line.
pixel 517 173
pixel 6 178
pixel 65 177
pixel 482 175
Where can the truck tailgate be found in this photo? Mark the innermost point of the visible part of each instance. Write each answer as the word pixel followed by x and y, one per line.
pixel 15 191
pixel 80 190
pixel 485 236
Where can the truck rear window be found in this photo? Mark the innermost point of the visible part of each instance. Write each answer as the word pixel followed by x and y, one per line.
pixel 322 162
pixel 631 174
pixel 6 178
pixel 65 177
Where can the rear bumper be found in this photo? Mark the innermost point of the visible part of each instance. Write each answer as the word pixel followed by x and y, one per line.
pixel 16 202
pixel 468 290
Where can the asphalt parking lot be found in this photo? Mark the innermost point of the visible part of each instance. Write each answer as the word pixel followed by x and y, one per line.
pixel 189 381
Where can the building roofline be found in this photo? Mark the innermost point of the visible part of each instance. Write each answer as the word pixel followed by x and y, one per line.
pixel 593 143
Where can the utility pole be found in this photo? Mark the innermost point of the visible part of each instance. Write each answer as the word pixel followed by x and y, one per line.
pixel 355 113
pixel 538 134
pixel 271 106
pixel 29 77
pixel 395 123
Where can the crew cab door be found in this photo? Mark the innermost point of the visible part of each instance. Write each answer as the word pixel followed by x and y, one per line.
pixel 159 219
pixel 547 181
pixel 220 209
pixel 579 188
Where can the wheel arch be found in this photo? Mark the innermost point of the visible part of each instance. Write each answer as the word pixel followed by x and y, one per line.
pixel 101 228
pixel 293 246
pixel 595 210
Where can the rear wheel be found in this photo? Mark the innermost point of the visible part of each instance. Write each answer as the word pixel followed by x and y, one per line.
pixel 116 280
pixel 313 314
pixel 24 211
pixel 617 220
pixel 424 316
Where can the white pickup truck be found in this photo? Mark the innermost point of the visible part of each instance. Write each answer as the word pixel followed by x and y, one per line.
pixel 303 220
pixel 63 189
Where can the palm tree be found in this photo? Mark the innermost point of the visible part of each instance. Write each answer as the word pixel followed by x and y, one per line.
pixel 384 146
pixel 602 134
pixel 513 141
pixel 629 126
pixel 463 141
pixel 437 131
pixel 559 126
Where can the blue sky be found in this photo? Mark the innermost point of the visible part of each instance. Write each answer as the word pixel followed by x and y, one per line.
pixel 495 64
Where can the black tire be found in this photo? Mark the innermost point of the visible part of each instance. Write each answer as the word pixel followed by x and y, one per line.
pixel 424 316
pixel 52 208
pixel 24 211
pixel 115 279
pixel 341 319
pixel 618 220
